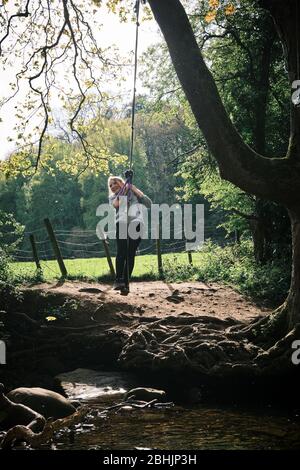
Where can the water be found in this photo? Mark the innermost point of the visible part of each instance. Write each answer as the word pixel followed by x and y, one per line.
pixel 200 427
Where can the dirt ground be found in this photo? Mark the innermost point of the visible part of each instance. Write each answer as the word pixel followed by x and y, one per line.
pixel 154 300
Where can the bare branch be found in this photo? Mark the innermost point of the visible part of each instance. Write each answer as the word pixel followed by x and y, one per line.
pixel 40 61
pixel 24 14
pixel 188 152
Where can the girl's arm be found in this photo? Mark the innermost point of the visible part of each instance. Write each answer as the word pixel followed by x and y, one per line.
pixel 137 191
pixel 143 199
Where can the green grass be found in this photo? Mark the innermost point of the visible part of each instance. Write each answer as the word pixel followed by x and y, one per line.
pixel 233 265
pixel 95 268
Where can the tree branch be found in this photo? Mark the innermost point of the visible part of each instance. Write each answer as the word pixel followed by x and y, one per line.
pixel 41 50
pixel 24 14
pixel 188 152
pixel 275 179
pixel 243 214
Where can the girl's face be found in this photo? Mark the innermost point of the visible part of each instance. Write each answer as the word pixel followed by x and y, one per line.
pixel 115 185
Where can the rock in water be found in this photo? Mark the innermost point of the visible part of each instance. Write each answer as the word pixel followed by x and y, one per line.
pixel 12 414
pixel 46 402
pixel 86 384
pixel 146 394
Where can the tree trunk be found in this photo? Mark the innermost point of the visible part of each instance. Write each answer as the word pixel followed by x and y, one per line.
pixel 274 179
pixel 261 81
pixel 258 237
pixel 261 228
pixel 262 85
pixel 293 300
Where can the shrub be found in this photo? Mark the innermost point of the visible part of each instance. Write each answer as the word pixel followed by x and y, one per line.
pixel 235 265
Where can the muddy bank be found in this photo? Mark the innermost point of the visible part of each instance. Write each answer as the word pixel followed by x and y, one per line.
pixel 161 332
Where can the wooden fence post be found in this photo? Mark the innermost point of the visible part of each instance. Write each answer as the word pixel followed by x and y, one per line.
pixel 107 252
pixel 56 248
pixel 190 258
pixel 108 257
pixel 34 251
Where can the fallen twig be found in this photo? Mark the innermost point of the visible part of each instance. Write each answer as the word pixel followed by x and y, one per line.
pixel 23 433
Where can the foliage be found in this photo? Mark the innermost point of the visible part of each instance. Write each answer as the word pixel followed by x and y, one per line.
pixel 62 312
pixel 219 7
pixel 51 54
pixel 200 175
pixel 164 135
pixel 245 59
pixel 10 232
pixel 10 237
pixel 234 265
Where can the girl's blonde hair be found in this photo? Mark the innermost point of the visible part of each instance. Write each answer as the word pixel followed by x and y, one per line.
pixel 118 178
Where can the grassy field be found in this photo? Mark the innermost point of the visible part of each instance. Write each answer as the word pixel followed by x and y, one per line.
pixel 232 265
pixel 95 268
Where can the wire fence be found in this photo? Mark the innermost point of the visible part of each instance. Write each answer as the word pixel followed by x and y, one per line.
pixel 80 253
pixel 76 244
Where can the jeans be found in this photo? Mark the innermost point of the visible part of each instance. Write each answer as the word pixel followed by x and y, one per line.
pixel 125 249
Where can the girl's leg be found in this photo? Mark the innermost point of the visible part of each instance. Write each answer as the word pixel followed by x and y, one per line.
pixel 121 257
pixel 133 245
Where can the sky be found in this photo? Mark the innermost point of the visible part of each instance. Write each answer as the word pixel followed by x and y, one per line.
pixel 122 35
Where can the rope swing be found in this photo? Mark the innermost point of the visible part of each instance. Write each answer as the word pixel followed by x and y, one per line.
pixel 137 12
pixel 126 190
pixel 129 171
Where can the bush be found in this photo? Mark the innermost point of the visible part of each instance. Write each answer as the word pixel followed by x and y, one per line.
pixel 4 259
pixel 10 236
pixel 235 265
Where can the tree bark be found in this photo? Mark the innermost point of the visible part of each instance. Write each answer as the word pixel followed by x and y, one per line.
pixel 257 230
pixel 293 300
pixel 262 86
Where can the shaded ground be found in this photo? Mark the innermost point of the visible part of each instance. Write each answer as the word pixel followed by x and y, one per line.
pixel 188 338
pixel 178 333
pixel 150 300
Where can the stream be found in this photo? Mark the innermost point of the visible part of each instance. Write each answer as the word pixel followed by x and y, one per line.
pixel 200 427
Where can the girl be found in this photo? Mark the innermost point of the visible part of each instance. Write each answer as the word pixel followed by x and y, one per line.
pixel 126 247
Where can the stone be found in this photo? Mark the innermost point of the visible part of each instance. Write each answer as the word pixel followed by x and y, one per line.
pixel 146 394
pixel 88 384
pixel 13 414
pixel 46 402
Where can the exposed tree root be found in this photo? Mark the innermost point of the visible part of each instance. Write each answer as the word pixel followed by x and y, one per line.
pixel 35 439
pixel 202 344
pixel 211 346
pixel 24 433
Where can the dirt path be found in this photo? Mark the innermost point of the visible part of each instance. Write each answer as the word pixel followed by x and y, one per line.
pixel 156 299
